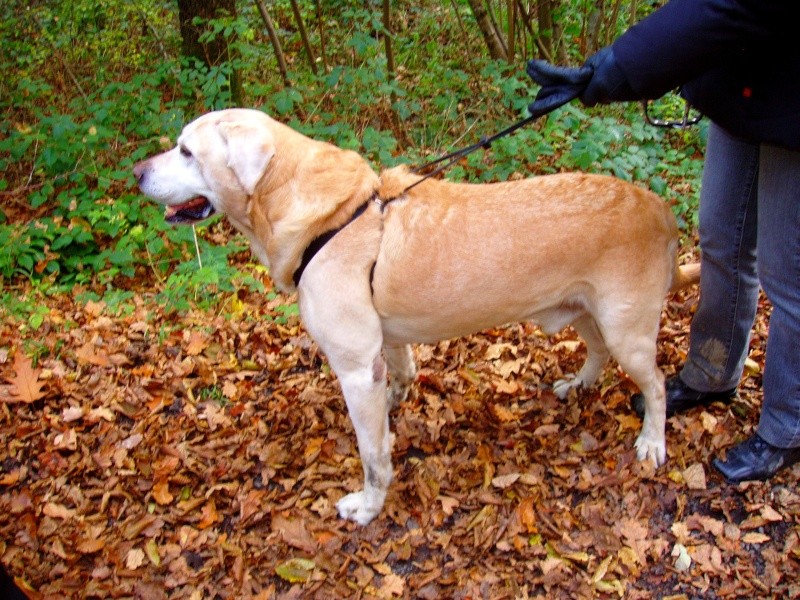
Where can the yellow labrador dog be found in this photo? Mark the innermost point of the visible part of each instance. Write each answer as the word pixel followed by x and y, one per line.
pixel 379 265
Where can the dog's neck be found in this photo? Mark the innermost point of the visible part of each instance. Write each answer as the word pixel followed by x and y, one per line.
pixel 317 191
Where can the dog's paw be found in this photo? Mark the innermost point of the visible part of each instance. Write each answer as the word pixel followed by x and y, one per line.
pixel 653 450
pixel 356 507
pixel 562 387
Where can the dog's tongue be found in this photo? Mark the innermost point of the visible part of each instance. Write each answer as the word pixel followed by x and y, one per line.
pixel 191 211
pixel 171 211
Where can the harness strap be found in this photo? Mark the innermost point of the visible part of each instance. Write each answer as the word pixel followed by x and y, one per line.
pixel 319 242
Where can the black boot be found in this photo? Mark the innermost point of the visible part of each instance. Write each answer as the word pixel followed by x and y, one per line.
pixel 680 397
pixel 755 459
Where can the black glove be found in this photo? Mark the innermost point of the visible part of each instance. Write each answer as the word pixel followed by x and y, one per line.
pixel 608 84
pixel 559 85
pixel 599 80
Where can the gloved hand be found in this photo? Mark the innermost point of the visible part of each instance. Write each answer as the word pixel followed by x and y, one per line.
pixel 608 83
pixel 559 85
pixel 599 80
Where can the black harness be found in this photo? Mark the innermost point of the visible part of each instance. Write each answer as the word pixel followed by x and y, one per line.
pixel 318 242
pixel 485 142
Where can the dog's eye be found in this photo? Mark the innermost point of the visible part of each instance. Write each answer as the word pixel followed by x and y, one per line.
pixel 186 152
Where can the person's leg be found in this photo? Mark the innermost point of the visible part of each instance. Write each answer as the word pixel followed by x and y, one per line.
pixel 720 331
pixel 776 445
pixel 779 272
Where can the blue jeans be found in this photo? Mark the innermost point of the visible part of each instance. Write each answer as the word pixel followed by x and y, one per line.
pixel 750 200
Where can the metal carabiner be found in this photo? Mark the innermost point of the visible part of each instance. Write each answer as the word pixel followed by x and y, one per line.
pixel 684 123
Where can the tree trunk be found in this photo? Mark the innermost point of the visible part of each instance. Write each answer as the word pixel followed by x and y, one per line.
pixel 544 15
pixel 213 52
pixel 490 35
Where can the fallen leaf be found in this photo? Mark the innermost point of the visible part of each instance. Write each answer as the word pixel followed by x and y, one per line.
pixel 504 481
pixel 196 343
pixel 151 549
pixel 770 514
pixel 26 386
pixel 91 546
pixel 161 493
pixel 208 515
pixel 296 570
pixel 695 477
pixel 393 585
pixel 294 533
pixel 58 511
pixel 134 558
pixel 72 413
pixel 755 538
pixel 682 559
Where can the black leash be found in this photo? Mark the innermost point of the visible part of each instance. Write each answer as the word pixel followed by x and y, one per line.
pixel 453 157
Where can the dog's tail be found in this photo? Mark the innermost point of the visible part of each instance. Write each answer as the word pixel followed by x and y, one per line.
pixel 685 275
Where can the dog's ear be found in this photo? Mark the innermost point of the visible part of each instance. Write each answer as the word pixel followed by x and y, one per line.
pixel 250 149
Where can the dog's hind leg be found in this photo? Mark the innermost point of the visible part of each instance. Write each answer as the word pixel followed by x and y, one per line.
pixel 596 357
pixel 402 371
pixel 635 351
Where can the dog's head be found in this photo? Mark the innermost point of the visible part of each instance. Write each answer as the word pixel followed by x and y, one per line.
pixel 215 166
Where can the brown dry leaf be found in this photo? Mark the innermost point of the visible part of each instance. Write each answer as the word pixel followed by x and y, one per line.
pixel 91 546
pixel 294 533
pixel 755 538
pixel 58 511
pixel 393 585
pixel 503 414
pixel 695 477
pixel 161 493
pixel 134 558
pixel 196 343
pixel 208 515
pixel 770 514
pixel 505 481
pixel 251 504
pixel 88 354
pixel 26 386
pixel 503 386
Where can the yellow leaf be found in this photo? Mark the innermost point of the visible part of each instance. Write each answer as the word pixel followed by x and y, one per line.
pixel 151 548
pixel 296 570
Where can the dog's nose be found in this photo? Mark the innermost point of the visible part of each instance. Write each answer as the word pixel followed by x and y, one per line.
pixel 140 170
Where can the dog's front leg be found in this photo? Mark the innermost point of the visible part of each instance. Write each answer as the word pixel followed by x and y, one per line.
pixel 349 332
pixel 369 412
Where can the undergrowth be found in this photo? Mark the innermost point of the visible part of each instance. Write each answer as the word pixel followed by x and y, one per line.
pixel 89 88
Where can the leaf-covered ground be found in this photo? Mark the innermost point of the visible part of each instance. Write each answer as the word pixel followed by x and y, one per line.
pixel 201 456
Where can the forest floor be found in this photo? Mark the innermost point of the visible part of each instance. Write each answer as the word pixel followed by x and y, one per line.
pixel 145 455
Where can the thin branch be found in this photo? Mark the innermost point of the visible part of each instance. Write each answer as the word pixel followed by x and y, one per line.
pixel 276 43
pixel 304 36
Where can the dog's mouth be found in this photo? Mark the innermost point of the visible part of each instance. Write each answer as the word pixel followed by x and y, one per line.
pixel 191 211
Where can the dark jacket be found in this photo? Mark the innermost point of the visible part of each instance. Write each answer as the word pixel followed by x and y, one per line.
pixel 738 62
